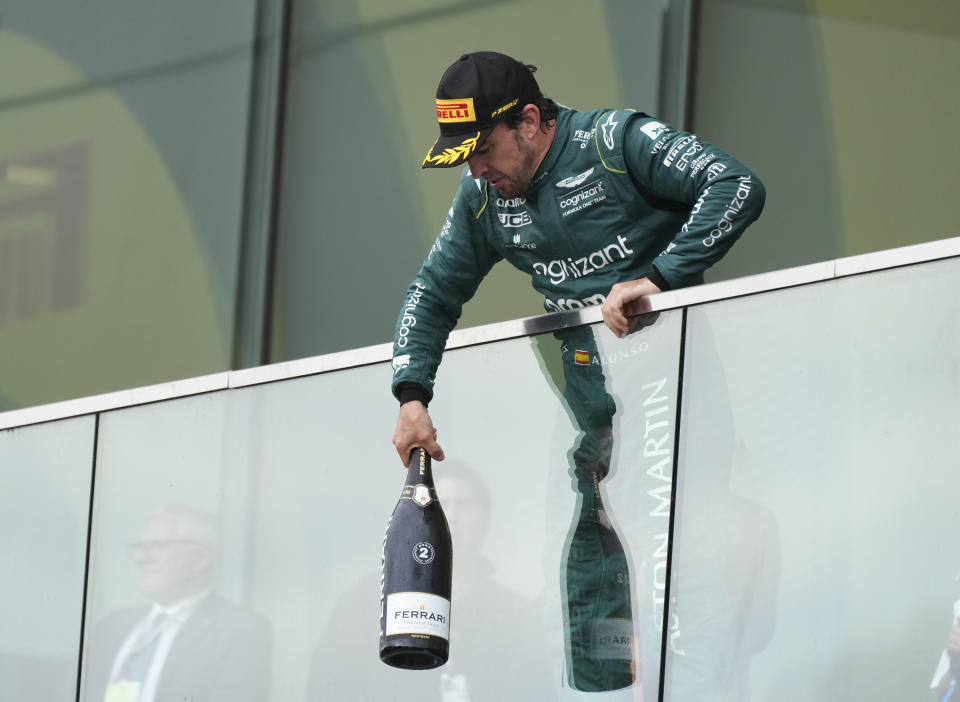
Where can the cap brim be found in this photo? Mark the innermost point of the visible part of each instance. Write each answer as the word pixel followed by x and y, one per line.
pixel 450 151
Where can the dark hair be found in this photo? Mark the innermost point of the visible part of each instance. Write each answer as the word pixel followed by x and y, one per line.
pixel 547 107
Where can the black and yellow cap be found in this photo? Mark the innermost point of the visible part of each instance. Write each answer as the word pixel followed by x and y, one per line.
pixel 476 92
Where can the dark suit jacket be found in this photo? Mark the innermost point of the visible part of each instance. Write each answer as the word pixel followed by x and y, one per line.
pixel 223 652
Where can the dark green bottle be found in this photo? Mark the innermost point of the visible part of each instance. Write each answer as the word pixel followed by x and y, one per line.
pixel 600 636
pixel 415 575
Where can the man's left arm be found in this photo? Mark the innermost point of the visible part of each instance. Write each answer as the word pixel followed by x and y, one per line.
pixel 723 194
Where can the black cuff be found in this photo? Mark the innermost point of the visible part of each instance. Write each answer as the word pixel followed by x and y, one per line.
pixel 657 279
pixel 407 392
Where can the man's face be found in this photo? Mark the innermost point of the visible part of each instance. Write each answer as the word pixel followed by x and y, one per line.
pixel 171 564
pixel 507 161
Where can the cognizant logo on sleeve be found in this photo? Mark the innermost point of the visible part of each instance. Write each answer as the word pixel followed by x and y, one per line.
pixel 407 319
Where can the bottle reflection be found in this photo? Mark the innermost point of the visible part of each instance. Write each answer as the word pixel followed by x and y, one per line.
pixel 596 586
pixel 188 642
pixel 597 594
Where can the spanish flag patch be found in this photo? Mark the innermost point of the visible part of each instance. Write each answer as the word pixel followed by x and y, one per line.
pixel 581 358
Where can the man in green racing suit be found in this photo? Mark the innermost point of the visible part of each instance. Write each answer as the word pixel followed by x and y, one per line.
pixel 600 208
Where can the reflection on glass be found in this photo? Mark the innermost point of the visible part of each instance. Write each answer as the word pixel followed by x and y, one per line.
pixel 187 642
pixel 727 548
pixel 72 286
pixel 480 598
pixel 484 612
pixel 943 687
pixel 598 616
pixel 304 546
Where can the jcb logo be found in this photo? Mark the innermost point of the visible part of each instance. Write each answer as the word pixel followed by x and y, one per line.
pixel 520 219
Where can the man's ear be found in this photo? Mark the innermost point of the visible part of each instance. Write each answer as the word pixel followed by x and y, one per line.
pixel 531 120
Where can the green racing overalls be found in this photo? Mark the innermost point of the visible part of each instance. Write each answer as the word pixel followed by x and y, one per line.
pixel 618 196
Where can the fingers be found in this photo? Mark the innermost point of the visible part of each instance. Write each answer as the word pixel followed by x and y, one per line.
pixel 404 455
pixel 612 311
pixel 616 321
pixel 404 447
pixel 433 448
pixel 415 428
pixel 626 298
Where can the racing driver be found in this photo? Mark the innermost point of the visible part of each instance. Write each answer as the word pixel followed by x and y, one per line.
pixel 600 208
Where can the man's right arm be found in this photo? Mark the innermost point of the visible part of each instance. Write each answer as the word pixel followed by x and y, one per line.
pixel 457 262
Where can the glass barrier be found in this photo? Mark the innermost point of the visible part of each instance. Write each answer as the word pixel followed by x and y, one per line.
pixel 168 603
pixel 236 535
pixel 258 517
pixel 44 511
pixel 817 491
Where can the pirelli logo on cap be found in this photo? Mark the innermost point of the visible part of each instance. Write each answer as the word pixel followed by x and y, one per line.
pixel 456 111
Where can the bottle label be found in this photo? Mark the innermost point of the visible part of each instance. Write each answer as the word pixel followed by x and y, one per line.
pixel 613 638
pixel 420 494
pixel 417 613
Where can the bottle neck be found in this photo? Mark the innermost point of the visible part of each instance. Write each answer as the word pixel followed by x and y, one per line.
pixel 420 471
pixel 588 485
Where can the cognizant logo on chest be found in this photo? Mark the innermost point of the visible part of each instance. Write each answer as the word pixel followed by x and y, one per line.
pixel 560 269
pixel 582 198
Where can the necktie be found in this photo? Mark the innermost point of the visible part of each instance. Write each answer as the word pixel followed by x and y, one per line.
pixel 143 648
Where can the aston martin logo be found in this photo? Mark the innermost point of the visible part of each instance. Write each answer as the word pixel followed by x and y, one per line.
pixel 574 181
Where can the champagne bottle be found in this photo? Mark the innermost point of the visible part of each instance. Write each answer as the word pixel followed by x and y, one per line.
pixel 599 615
pixel 415 575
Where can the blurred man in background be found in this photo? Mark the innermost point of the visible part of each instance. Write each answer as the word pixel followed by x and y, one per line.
pixel 188 643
